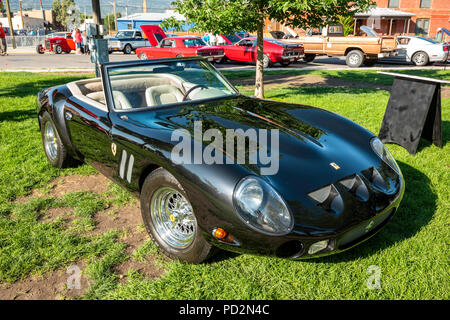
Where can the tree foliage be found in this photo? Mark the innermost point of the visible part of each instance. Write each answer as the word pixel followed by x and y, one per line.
pixel 64 11
pixel 228 16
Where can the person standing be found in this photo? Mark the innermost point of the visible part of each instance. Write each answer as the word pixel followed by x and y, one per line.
pixel 3 45
pixel 78 41
pixel 85 43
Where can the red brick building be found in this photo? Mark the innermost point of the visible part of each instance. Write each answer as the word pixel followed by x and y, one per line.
pixel 428 16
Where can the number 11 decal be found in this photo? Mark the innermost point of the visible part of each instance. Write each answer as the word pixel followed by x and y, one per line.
pixel 126 163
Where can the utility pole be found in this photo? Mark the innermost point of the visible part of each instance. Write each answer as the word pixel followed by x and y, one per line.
pixel 42 10
pixel 144 6
pixel 115 15
pixel 11 29
pixel 21 14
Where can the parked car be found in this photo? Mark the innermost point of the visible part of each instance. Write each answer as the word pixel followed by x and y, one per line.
pixel 337 184
pixel 58 43
pixel 127 41
pixel 274 51
pixel 179 46
pixel 420 50
pixel 365 49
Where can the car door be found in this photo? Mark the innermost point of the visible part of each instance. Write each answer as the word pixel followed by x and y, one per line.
pixel 89 128
pixel 237 52
pixel 402 46
pixel 139 41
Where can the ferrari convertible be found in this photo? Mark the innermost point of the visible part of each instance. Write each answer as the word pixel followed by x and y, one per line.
pixel 147 125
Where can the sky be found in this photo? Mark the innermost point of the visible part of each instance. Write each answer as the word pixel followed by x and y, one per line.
pixel 85 5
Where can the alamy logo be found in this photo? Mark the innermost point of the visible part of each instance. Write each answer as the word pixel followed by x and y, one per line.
pixel 190 149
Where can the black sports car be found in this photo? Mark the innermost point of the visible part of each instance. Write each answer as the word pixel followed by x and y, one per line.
pixel 217 169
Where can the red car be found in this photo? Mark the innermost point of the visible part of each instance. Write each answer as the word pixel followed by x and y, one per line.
pixel 274 52
pixel 58 43
pixel 169 47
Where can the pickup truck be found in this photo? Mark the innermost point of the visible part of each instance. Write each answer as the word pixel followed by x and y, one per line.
pixel 358 50
pixel 127 41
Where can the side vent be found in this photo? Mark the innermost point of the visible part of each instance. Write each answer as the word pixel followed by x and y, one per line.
pixel 328 198
pixel 356 187
pixel 375 178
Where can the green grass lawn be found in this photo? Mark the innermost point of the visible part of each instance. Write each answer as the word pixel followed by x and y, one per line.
pixel 412 251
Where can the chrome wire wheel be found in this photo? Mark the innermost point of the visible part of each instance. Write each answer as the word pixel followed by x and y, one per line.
pixel 50 142
pixel 173 218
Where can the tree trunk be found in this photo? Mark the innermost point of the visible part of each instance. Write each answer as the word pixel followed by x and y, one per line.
pixel 259 81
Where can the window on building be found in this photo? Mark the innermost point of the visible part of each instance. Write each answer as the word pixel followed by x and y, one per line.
pixel 425 3
pixel 422 26
pixel 393 3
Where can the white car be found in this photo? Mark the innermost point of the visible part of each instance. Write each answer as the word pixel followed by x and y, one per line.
pixel 421 51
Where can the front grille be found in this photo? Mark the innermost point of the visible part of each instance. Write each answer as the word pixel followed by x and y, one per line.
pixel 365 230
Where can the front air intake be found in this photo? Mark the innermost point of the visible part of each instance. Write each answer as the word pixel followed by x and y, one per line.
pixel 328 198
pixel 375 178
pixel 355 186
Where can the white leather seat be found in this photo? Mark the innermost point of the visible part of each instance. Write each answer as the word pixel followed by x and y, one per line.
pixel 120 101
pixel 164 94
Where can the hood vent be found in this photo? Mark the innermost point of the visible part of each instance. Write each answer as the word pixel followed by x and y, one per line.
pixel 375 178
pixel 328 198
pixel 356 187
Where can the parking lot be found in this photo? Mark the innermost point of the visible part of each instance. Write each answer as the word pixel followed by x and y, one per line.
pixel 26 60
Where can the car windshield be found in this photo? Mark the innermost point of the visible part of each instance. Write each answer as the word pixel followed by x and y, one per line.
pixel 233 38
pixel 369 31
pixel 124 34
pixel 153 84
pixel 194 42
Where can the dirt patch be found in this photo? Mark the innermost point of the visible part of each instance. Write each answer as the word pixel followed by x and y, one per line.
pixel 49 286
pixel 445 92
pixel 127 219
pixel 272 80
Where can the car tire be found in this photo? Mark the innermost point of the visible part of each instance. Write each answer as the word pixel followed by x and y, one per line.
pixel 68 51
pixel 54 149
pixel 109 51
pixel 420 58
pixel 179 56
pixel 127 49
pixel 39 49
pixel 58 49
pixel 159 186
pixel 354 58
pixel 143 56
pixel 266 61
pixel 309 57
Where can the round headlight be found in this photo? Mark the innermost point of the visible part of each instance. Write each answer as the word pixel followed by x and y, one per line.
pixel 261 207
pixel 382 151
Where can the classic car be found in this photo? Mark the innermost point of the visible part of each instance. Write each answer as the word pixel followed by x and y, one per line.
pixel 420 51
pixel 148 126
pixel 181 46
pixel 127 41
pixel 365 48
pixel 58 43
pixel 274 52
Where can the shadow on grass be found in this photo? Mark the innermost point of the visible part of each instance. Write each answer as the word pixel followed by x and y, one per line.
pixel 445 137
pixel 415 211
pixel 17 115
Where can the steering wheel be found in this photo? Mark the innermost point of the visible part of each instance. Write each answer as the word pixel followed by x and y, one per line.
pixel 192 89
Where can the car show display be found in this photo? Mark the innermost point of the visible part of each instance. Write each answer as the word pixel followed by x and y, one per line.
pixel 127 41
pixel 358 50
pixel 421 51
pixel 274 51
pixel 178 46
pixel 58 43
pixel 336 184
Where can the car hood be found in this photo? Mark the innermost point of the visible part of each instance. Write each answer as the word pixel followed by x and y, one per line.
pixel 316 148
pixel 310 139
